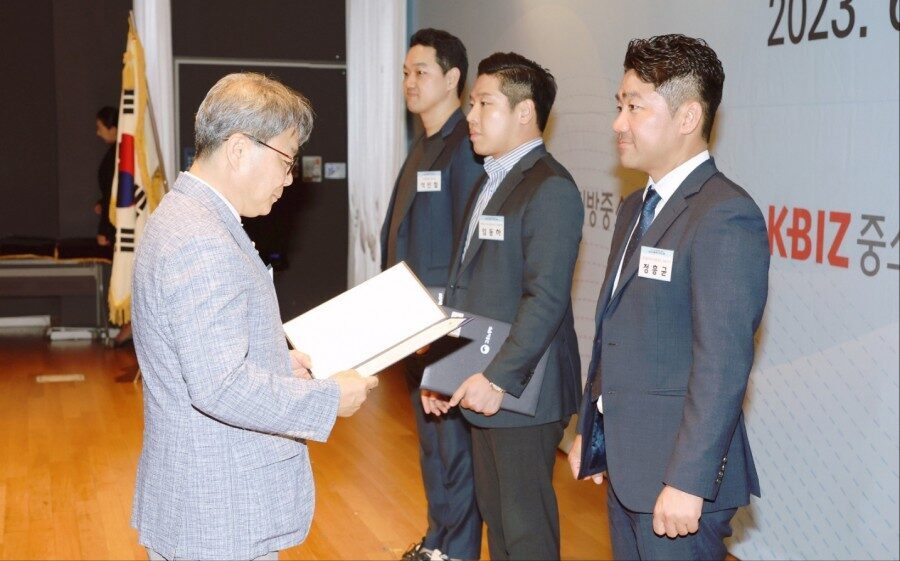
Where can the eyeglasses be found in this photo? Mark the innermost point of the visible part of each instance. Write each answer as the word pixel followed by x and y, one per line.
pixel 291 164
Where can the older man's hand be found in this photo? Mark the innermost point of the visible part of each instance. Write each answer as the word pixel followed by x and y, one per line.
pixel 354 389
pixel 301 365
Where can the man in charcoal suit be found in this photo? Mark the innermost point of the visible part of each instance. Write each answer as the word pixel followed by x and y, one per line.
pixel 514 262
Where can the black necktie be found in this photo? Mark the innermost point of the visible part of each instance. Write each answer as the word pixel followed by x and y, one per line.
pixel 648 210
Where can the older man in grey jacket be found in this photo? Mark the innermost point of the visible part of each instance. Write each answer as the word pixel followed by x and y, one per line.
pixel 224 472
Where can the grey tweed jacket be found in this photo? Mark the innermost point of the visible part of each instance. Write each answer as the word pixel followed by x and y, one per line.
pixel 224 472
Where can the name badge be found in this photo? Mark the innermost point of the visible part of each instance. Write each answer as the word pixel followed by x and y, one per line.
pixel 428 181
pixel 656 263
pixel 490 228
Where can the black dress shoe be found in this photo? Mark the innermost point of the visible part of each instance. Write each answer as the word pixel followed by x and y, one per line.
pixel 417 552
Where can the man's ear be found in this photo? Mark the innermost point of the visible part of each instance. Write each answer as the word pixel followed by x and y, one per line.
pixel 452 77
pixel 526 112
pixel 691 117
pixel 235 148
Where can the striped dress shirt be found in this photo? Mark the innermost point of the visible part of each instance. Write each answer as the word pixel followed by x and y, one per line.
pixel 496 170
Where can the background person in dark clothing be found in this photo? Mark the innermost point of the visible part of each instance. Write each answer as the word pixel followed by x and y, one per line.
pixel 107 123
pixel 424 216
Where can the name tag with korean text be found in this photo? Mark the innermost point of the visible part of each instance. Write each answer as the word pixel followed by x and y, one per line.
pixel 656 263
pixel 428 181
pixel 490 228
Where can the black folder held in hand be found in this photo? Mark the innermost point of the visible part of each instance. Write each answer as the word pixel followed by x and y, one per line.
pixel 451 360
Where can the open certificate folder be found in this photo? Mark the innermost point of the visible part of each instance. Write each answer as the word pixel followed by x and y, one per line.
pixel 371 326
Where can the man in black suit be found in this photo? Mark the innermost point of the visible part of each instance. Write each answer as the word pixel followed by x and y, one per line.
pixel 423 218
pixel 685 290
pixel 514 262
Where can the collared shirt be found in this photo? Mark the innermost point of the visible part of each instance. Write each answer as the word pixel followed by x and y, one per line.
pixel 218 194
pixel 666 187
pixel 496 170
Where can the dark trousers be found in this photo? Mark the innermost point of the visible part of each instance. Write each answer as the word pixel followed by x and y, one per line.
pixel 514 486
pixel 633 537
pixel 445 454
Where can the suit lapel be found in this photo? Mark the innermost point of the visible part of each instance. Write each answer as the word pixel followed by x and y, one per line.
pixel 620 241
pixel 435 147
pixel 507 186
pixel 393 202
pixel 513 178
pixel 667 216
pixel 461 237
pixel 405 194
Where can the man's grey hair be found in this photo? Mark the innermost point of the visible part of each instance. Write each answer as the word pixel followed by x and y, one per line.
pixel 252 104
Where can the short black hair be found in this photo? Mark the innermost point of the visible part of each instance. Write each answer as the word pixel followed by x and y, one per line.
pixel 109 116
pixel 449 52
pixel 664 58
pixel 521 79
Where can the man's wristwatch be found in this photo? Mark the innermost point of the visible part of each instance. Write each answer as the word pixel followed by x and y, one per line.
pixel 496 387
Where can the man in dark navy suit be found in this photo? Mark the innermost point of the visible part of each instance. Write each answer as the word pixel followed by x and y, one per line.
pixel 422 221
pixel 685 289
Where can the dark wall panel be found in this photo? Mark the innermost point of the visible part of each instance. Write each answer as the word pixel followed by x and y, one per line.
pixel 263 29
pixel 88 47
pixel 308 226
pixel 29 200
pixel 60 62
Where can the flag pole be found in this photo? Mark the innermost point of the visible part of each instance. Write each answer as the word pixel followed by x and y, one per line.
pixel 162 160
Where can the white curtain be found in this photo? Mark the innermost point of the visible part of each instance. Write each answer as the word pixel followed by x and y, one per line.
pixel 153 19
pixel 376 45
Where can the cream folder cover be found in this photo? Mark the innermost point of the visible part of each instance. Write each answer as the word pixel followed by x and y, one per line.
pixel 371 326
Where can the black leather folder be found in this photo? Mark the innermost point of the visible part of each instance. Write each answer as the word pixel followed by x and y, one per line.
pixel 451 360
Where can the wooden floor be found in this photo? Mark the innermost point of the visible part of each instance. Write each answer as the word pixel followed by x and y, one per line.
pixel 68 453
